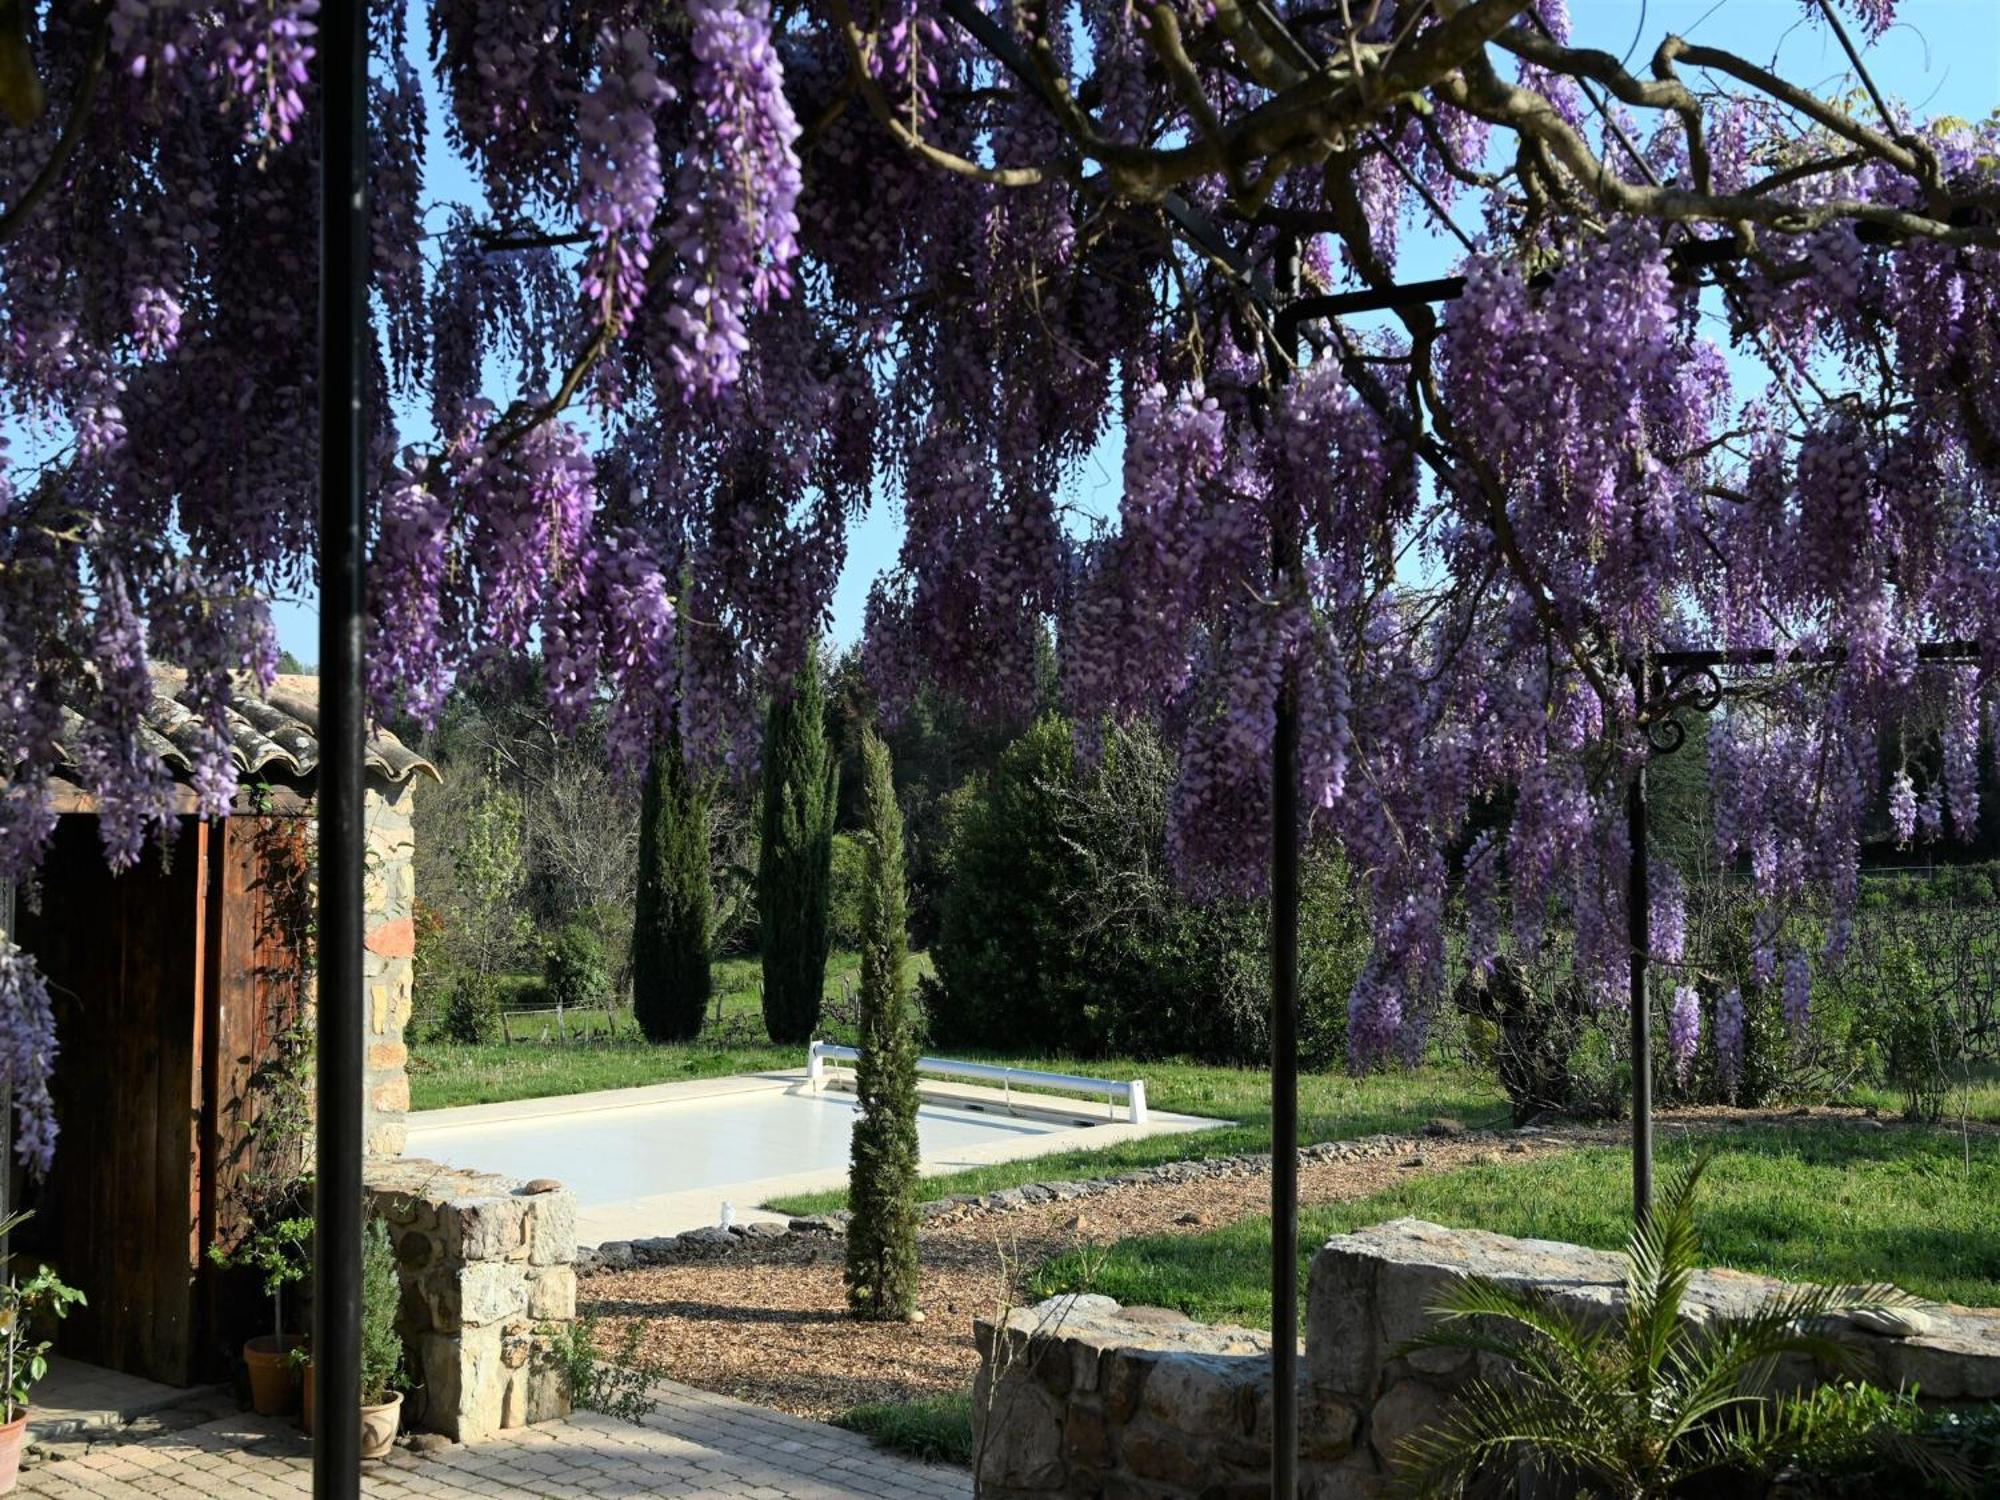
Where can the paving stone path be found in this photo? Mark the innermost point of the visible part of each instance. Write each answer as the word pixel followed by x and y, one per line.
pixel 695 1446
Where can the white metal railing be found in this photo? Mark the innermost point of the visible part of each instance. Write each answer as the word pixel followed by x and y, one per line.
pixel 1132 1093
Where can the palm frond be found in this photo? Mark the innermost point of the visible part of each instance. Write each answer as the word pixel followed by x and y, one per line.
pixel 1481 1297
pixel 1661 1259
pixel 1742 1353
pixel 1487 1426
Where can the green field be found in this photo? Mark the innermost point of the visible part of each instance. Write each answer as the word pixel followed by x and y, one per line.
pixel 1828 1203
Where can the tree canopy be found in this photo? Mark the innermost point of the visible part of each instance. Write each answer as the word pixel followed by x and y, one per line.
pixel 737 269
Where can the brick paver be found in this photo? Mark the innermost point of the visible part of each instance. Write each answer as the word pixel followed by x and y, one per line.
pixel 696 1445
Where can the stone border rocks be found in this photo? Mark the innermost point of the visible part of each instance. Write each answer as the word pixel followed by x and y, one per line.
pixel 710 1242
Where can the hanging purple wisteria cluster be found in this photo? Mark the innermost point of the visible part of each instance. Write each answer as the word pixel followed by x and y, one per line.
pixel 732 277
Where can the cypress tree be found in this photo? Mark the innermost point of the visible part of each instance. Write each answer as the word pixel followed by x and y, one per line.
pixel 795 857
pixel 882 1176
pixel 675 902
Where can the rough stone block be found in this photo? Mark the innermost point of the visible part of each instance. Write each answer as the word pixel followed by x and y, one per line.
pixel 386 1137
pixel 464 1383
pixel 491 1292
pixel 1214 1395
pixel 552 1229
pixel 389 1094
pixel 1340 1323
pixel 1086 1438
pixel 1023 1439
pixel 488 1228
pixel 552 1294
pixel 394 939
pixel 1405 1408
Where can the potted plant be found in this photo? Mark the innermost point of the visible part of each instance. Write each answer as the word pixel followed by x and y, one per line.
pixel 21 1302
pixel 278 1251
pixel 381 1347
pixel 381 1344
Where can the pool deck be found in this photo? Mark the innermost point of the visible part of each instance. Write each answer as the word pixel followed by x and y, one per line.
pixel 1070 1125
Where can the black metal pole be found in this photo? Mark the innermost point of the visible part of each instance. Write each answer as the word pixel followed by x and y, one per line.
pixel 1286 571
pixel 1285 1093
pixel 1639 925
pixel 343 37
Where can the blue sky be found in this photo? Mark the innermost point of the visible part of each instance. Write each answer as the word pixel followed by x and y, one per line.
pixel 1942 58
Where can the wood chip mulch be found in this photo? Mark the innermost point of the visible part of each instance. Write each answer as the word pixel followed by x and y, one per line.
pixel 767 1322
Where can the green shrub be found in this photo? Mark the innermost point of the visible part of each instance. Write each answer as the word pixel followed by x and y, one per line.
pixel 621 1388
pixel 1916 1039
pixel 381 1299
pixel 574 971
pixel 1063 924
pixel 471 1012
pixel 1544 1039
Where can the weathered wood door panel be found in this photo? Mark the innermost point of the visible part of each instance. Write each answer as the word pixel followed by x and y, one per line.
pixel 120 1214
pixel 260 902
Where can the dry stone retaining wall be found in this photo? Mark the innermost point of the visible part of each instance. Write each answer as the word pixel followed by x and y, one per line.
pixel 1079 1397
pixel 489 1281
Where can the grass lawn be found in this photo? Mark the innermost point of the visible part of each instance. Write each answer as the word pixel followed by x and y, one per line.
pixel 1332 1106
pixel 1819 1203
pixel 1975 1096
pixel 936 1430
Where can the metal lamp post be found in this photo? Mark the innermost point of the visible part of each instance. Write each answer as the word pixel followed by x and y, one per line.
pixel 343 295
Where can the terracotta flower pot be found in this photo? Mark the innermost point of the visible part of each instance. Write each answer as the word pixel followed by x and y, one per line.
pixel 274 1379
pixel 306 1397
pixel 379 1425
pixel 12 1437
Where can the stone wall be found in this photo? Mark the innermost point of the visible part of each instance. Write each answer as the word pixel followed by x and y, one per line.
pixel 1079 1397
pixel 489 1277
pixel 389 899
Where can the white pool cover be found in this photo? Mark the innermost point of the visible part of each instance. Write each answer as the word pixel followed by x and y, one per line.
pixel 664 1158
pixel 611 1155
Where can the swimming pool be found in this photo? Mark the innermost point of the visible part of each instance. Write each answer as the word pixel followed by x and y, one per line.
pixel 662 1159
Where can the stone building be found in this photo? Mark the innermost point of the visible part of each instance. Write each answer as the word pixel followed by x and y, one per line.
pixel 182 989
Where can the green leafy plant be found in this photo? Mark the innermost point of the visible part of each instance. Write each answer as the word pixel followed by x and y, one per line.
pixel 280 1251
pixel 574 971
pixel 1640 1404
pixel 381 1297
pixel 471 1012
pixel 21 1304
pixel 622 1388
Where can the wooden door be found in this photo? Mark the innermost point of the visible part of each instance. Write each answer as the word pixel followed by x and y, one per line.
pixel 120 1213
pixel 257 1122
